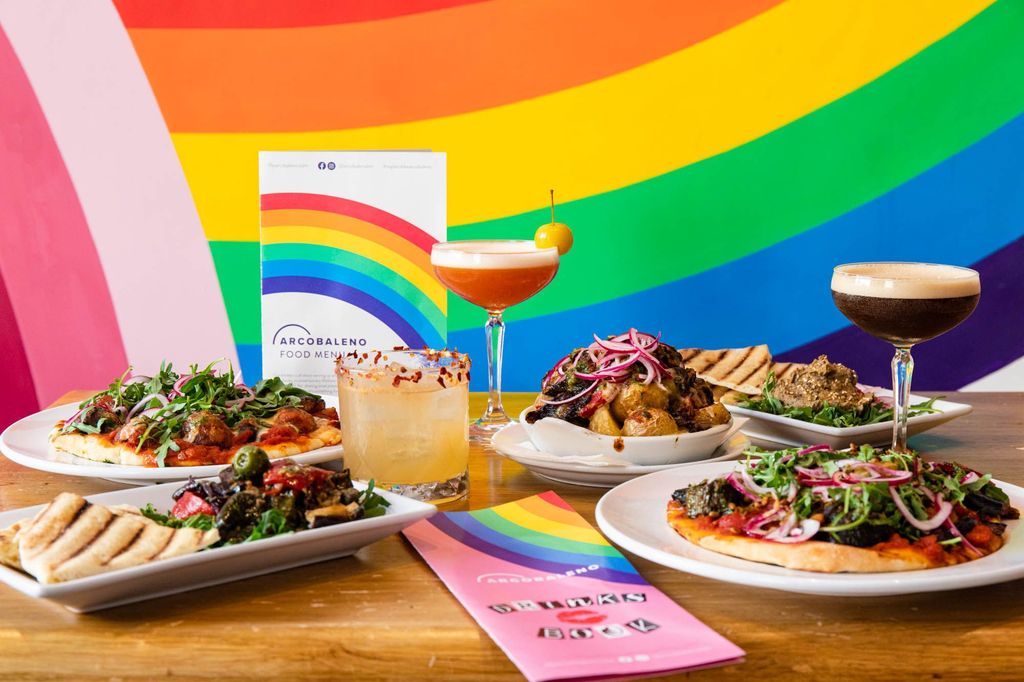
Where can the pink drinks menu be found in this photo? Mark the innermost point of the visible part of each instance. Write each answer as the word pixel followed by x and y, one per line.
pixel 559 600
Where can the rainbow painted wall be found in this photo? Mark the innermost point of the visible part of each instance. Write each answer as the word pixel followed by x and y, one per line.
pixel 714 159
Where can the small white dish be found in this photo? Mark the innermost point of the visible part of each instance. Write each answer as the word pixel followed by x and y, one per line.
pixel 213 566
pixel 794 432
pixel 26 442
pixel 633 517
pixel 560 438
pixel 594 471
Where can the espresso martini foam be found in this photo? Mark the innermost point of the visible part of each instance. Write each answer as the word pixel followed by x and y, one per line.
pixel 905 303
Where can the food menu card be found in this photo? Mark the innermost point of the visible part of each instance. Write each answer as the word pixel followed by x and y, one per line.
pixel 559 600
pixel 345 242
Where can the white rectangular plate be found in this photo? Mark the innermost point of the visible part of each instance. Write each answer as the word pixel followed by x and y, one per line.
pixel 795 432
pixel 213 566
pixel 633 517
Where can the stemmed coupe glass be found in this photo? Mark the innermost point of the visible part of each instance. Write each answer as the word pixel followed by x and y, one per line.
pixel 493 274
pixel 904 304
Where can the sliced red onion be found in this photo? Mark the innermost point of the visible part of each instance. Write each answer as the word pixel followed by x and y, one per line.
pixel 814 448
pixel 963 538
pixel 242 400
pixel 784 528
pixel 807 529
pixel 944 510
pixel 73 418
pixel 849 461
pixel 138 378
pixel 969 477
pixel 731 480
pixel 751 484
pixel 643 337
pixel 141 405
pixel 754 525
pixel 897 478
pixel 613 345
pixel 817 472
pixel 582 393
pixel 824 483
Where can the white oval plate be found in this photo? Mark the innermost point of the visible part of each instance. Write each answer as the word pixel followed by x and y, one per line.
pixel 795 432
pixel 209 567
pixel 633 517
pixel 26 442
pixel 560 438
pixel 512 442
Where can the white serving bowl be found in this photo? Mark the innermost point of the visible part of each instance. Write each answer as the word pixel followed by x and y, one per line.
pixel 560 438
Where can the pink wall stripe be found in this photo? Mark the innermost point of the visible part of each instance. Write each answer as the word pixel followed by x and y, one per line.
pixel 117 150
pixel 18 397
pixel 56 287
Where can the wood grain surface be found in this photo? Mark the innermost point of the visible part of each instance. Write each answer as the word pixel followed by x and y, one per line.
pixel 383 614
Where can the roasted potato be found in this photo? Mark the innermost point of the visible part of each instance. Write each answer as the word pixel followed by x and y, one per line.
pixel 635 396
pixel 649 421
pixel 603 422
pixel 712 415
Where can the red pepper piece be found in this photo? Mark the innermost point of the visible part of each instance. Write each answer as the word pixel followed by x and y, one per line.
pixel 190 504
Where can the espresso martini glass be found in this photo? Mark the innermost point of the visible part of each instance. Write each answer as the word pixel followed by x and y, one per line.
pixel 904 304
pixel 495 275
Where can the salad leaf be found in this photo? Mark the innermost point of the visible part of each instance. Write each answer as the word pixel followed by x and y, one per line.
pixel 272 522
pixel 200 521
pixel 372 503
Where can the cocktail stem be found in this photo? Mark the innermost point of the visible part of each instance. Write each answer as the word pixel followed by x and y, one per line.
pixel 495 329
pixel 902 372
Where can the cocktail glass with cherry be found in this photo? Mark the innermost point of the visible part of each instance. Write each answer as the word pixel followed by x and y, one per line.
pixel 496 274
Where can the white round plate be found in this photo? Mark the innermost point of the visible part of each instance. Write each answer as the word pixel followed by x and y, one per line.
pixel 26 442
pixel 512 442
pixel 633 517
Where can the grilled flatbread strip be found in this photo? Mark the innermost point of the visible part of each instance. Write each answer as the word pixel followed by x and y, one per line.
pixel 783 369
pixel 72 538
pixel 741 369
pixel 9 544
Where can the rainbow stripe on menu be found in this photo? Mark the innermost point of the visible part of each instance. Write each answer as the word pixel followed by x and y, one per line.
pixel 559 600
pixel 542 533
pixel 356 253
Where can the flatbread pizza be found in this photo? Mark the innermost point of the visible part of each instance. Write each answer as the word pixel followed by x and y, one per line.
pixel 201 417
pixel 857 511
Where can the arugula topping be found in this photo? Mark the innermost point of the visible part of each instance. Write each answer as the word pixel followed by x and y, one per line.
pixel 198 389
pixel 372 503
pixel 846 507
pixel 829 415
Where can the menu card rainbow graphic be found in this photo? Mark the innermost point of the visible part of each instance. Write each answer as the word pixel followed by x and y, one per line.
pixel 559 600
pixel 345 243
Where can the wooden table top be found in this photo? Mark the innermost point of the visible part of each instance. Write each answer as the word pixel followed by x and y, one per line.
pixel 383 614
